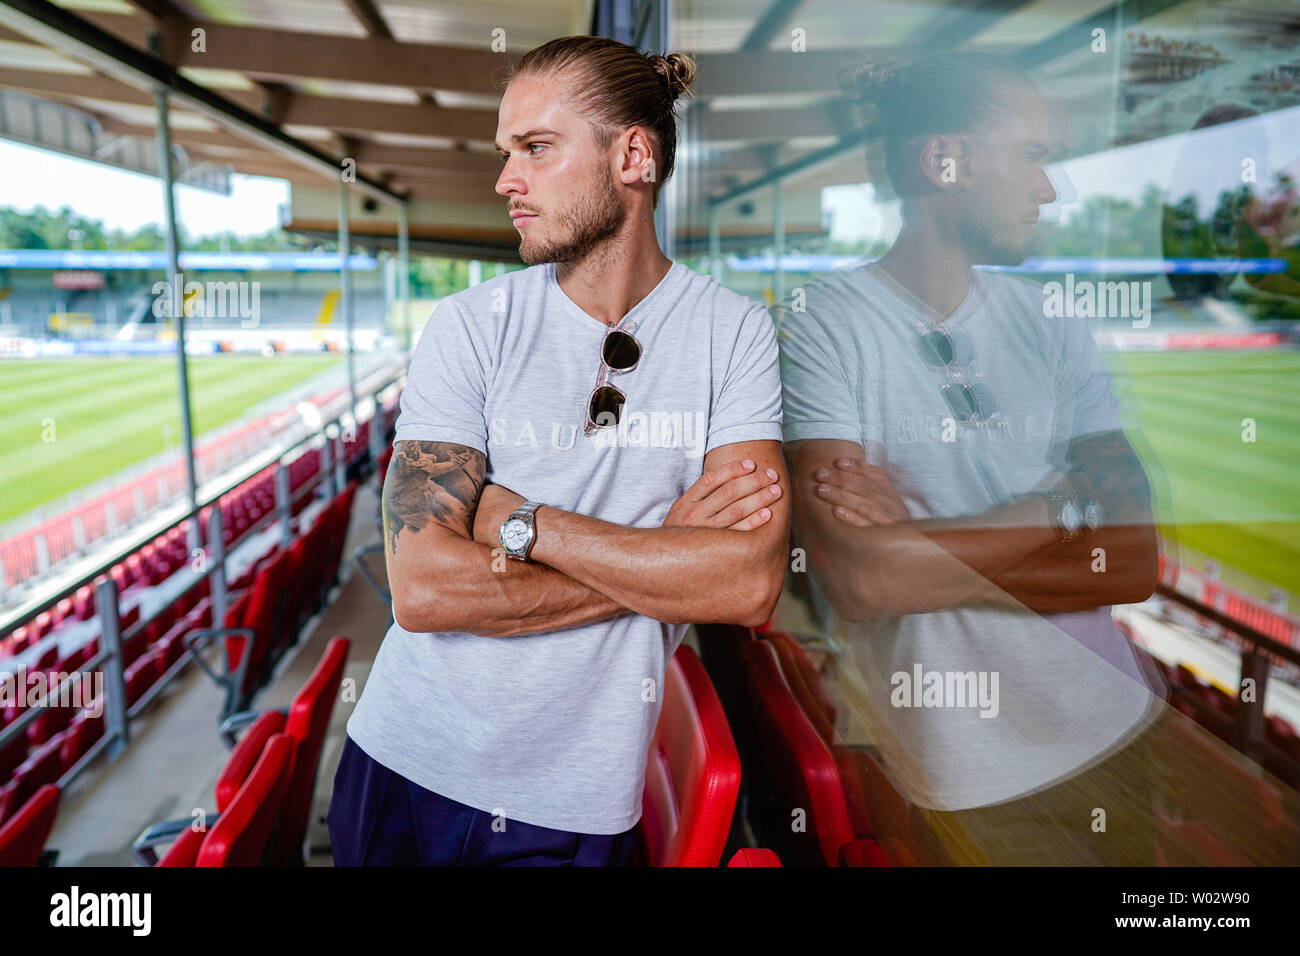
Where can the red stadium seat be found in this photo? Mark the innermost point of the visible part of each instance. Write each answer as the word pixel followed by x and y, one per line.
pixel 804 671
pixel 22 838
pixel 47 658
pixel 50 721
pixel 309 718
pixel 250 796
pixel 863 853
pixel 244 757
pixel 753 856
pixel 139 677
pixel 242 832
pixel 62 611
pixel 81 735
pixel 12 753
pixel 185 851
pixel 41 767
pixel 692 772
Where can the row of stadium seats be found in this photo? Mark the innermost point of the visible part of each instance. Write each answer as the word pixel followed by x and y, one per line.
pixel 784 722
pixel 267 606
pixel 78 529
pixel 1220 718
pixel 154 563
pixel 264 792
pixel 281 591
pixel 273 599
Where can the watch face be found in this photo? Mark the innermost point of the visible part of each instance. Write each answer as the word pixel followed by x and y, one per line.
pixel 515 534
pixel 1092 516
pixel 1071 517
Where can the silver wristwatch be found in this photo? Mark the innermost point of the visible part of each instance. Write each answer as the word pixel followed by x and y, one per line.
pixel 519 531
pixel 1074 515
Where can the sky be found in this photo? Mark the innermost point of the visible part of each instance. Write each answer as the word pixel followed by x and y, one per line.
pixel 127 200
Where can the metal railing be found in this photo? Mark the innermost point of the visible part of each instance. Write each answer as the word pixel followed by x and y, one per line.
pixel 1246 722
pixel 328 441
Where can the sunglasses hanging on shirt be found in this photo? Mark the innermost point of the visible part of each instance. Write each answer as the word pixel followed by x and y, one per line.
pixel 619 352
pixel 968 398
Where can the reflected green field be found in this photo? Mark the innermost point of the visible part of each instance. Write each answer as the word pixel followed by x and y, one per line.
pixel 1218 491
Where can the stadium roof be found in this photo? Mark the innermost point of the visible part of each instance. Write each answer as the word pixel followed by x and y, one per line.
pixel 409 89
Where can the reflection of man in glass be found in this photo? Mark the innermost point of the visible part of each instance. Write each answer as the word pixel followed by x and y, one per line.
pixel 991 510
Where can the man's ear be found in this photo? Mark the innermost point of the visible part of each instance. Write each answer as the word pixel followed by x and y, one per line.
pixel 638 163
pixel 944 161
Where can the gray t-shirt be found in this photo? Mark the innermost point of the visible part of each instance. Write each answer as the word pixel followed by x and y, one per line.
pixel 553 728
pixel 1068 686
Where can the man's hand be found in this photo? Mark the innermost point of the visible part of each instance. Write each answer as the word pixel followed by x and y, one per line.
pixel 861 494
pixel 734 496
pixel 495 504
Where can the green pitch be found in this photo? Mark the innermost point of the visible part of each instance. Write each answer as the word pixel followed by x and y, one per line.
pixel 1220 435
pixel 106 414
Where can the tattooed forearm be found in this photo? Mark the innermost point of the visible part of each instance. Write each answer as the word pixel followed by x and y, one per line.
pixel 431 481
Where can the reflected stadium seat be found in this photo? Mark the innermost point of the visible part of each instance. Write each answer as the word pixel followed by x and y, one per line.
pixel 800 774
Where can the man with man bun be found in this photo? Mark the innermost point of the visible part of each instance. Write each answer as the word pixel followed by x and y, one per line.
pixel 587 459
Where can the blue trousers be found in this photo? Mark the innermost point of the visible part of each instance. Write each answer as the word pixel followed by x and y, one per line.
pixel 380 818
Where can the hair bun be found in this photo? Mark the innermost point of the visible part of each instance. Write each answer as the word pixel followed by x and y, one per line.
pixel 678 71
pixel 869 83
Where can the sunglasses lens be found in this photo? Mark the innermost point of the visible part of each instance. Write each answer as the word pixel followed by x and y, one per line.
pixel 606 402
pixel 936 349
pixel 985 404
pixel 620 351
pixel 970 402
pixel 961 401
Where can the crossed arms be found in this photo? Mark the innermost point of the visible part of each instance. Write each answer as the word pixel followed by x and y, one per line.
pixel 873 560
pixel 720 555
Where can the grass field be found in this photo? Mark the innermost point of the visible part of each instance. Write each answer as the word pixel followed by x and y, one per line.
pixel 110 413
pixel 1229 498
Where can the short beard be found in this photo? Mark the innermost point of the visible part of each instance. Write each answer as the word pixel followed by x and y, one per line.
pixel 594 218
pixel 987 246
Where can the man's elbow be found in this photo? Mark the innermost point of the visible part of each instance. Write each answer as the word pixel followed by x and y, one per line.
pixel 418 609
pixel 1141 578
pixel 410 616
pixel 757 601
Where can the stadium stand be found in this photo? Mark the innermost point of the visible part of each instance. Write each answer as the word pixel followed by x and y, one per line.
pixel 165 610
